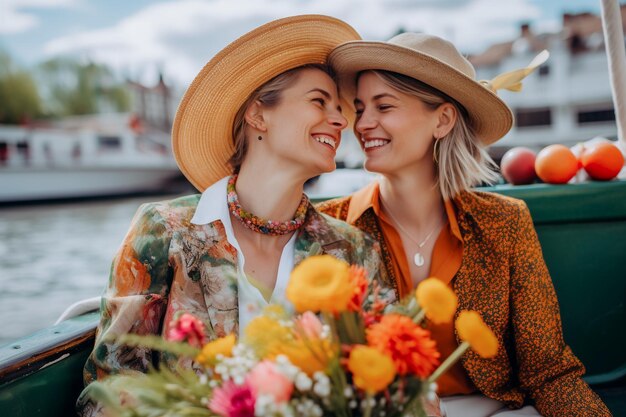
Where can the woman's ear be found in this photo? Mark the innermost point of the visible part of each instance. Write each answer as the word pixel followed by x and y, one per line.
pixel 447 119
pixel 254 116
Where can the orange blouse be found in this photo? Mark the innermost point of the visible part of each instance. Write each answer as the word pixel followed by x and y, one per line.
pixel 446 261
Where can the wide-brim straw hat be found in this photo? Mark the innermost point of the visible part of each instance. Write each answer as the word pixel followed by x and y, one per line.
pixel 433 61
pixel 202 134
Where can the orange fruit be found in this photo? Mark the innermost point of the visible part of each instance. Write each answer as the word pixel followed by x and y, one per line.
pixel 556 164
pixel 602 161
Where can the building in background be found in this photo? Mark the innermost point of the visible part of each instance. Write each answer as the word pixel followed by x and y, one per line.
pixel 568 99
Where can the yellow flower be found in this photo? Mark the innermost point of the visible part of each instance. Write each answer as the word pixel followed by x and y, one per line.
pixel 310 355
pixel 320 283
pixel 474 331
pixel 373 371
pixel 437 299
pixel 222 346
pixel 275 311
pixel 264 334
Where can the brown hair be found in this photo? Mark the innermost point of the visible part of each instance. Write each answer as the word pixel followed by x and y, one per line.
pixel 269 95
pixel 462 161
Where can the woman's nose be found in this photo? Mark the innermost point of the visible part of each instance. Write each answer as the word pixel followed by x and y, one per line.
pixel 338 120
pixel 364 122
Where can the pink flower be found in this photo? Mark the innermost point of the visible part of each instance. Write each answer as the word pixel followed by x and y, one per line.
pixel 310 325
pixel 189 328
pixel 265 379
pixel 231 400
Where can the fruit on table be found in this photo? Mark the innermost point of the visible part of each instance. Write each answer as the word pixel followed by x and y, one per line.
pixel 518 166
pixel 602 161
pixel 556 164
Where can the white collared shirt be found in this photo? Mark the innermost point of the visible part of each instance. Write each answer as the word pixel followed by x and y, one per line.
pixel 213 206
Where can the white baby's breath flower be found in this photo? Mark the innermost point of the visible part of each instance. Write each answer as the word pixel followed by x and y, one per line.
pixel 305 407
pixel 303 382
pixel 221 369
pixel 347 392
pixel 320 377
pixel 322 389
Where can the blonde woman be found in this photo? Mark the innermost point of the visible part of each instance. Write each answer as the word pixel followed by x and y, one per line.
pixel 260 119
pixel 423 122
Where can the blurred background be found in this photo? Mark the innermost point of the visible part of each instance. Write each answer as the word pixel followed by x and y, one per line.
pixel 88 91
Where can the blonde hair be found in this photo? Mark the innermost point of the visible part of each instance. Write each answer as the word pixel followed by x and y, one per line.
pixel 269 95
pixel 462 161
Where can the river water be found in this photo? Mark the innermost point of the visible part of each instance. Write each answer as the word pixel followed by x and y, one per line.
pixel 53 255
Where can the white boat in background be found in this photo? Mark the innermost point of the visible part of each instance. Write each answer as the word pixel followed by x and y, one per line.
pixel 87 156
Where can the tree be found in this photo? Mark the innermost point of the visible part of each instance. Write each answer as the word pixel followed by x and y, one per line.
pixel 19 97
pixel 73 88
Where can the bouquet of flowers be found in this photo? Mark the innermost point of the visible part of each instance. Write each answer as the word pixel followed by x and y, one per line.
pixel 345 351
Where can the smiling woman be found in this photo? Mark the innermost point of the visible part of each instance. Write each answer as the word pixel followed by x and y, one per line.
pixel 259 120
pixel 424 122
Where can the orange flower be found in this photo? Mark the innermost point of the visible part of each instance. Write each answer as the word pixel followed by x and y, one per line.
pixel 358 277
pixel 474 331
pixel 410 346
pixel 373 371
pixel 320 283
pixel 437 299
pixel 131 276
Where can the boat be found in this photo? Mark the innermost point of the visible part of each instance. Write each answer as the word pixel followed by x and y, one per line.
pixel 582 230
pixel 87 156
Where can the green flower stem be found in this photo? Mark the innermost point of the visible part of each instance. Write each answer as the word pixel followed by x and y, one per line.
pixel 368 405
pixel 351 323
pixel 419 317
pixel 451 360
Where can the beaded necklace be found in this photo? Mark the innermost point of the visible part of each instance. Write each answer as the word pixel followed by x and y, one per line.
pixel 258 224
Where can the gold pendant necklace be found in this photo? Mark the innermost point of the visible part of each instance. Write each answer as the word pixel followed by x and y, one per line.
pixel 418 258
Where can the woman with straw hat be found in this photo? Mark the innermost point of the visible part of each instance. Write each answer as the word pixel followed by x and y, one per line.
pixel 260 119
pixel 423 122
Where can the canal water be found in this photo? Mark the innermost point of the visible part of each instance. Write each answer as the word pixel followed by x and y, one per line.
pixel 53 255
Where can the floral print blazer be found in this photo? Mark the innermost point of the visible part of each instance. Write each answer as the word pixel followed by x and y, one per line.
pixel 166 264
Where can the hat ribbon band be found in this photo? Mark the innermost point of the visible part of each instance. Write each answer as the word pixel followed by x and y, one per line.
pixel 512 80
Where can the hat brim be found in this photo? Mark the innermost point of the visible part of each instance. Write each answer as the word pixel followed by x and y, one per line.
pixel 202 140
pixel 489 116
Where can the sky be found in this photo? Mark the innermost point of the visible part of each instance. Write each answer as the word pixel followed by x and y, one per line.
pixel 139 38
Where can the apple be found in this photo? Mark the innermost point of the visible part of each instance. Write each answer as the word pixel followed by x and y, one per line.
pixel 518 166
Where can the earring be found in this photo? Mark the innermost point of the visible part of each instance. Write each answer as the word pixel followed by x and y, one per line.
pixel 260 137
pixel 436 151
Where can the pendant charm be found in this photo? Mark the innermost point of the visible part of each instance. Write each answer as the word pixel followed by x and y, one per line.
pixel 418 259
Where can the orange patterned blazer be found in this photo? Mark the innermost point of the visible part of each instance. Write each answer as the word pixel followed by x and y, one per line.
pixel 503 277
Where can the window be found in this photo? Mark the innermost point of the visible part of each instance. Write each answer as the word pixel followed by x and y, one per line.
pixel 594 116
pixel 107 143
pixel 533 117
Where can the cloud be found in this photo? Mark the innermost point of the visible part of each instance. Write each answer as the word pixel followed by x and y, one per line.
pixel 180 36
pixel 16 18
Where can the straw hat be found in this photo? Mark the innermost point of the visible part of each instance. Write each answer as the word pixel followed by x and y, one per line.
pixel 433 61
pixel 202 133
